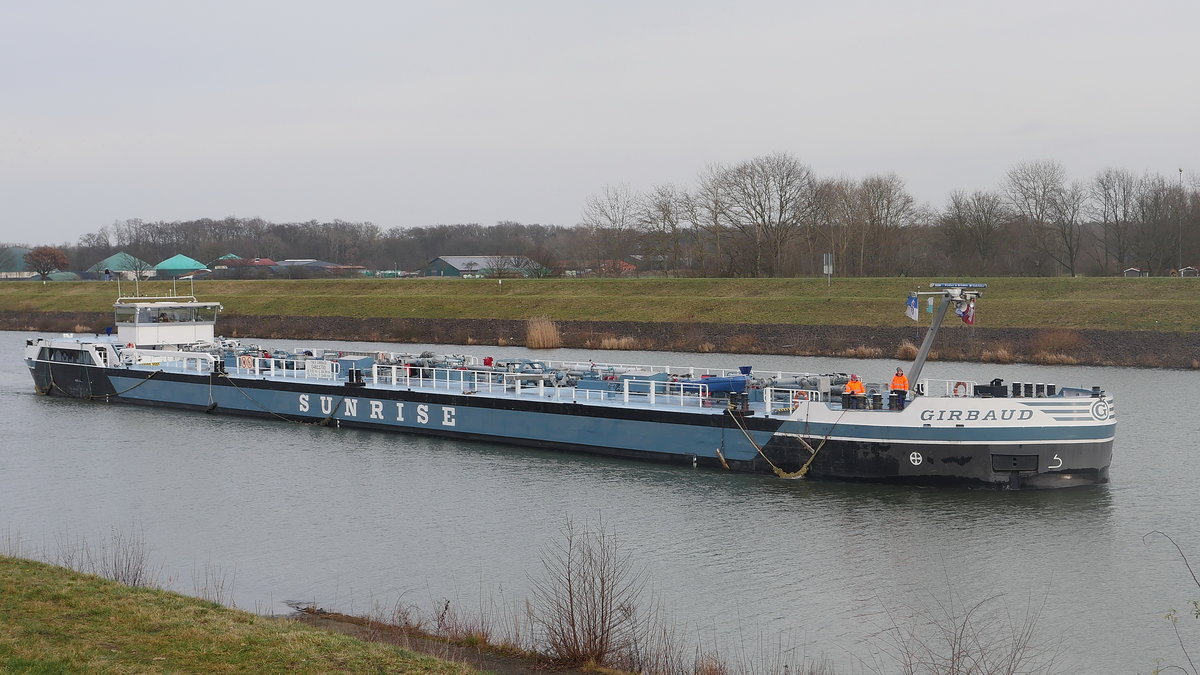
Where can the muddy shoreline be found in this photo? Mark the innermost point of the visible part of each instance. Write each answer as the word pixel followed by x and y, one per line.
pixel 1147 349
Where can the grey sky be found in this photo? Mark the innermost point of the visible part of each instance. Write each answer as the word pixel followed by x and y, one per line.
pixel 443 112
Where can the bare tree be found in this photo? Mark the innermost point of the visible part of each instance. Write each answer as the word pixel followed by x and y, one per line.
pixel 1115 196
pixel 972 223
pixel 958 639
pixel 1051 209
pixel 612 217
pixel 834 219
pixel 587 595
pixel 1066 225
pixel 662 213
pixel 1154 236
pixel 704 208
pixel 883 207
pixel 768 200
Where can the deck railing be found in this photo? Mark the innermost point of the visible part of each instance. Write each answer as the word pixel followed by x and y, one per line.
pixel 199 362
pixel 541 385
pixel 782 400
pixel 948 388
pixel 304 369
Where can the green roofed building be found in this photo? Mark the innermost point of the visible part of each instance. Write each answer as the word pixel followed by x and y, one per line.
pixel 177 266
pixel 225 260
pixel 120 263
pixel 12 263
pixel 57 276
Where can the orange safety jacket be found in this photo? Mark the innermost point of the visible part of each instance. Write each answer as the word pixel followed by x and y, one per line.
pixel 855 387
pixel 900 382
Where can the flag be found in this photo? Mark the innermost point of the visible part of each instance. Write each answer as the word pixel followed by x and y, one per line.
pixel 911 309
pixel 968 315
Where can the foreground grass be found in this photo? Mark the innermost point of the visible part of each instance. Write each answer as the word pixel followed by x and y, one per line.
pixel 1161 304
pixel 54 620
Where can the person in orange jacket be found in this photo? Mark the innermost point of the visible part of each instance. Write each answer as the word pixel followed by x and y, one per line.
pixel 900 386
pixel 856 390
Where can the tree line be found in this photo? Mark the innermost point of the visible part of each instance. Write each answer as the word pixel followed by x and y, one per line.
pixel 765 217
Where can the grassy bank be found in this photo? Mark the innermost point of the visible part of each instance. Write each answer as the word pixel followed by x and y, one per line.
pixel 54 620
pixel 1158 304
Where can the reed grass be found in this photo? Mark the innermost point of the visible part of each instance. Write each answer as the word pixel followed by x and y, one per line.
pixel 863 352
pixel 542 333
pixel 625 343
pixel 998 354
pixel 906 351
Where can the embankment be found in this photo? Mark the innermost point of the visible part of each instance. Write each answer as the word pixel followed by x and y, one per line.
pixel 1140 348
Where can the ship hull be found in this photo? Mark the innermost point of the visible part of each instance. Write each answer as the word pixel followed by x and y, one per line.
pixel 787 445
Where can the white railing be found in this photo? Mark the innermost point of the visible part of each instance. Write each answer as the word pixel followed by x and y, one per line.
pixel 445 378
pixel 948 388
pixel 656 392
pixel 185 361
pixel 307 369
pixel 783 400
pixel 678 393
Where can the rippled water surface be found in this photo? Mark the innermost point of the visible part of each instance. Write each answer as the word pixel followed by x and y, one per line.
pixel 351 519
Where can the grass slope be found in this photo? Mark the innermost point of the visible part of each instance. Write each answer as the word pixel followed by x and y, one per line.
pixel 54 620
pixel 1162 304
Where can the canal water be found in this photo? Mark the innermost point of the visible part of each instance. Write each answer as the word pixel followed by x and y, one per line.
pixel 354 520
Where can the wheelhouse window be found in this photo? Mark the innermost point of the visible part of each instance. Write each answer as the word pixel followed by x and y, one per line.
pixel 67 356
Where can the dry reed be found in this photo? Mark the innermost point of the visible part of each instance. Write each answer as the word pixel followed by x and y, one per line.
pixel 542 333
pixel 1054 359
pixel 863 352
pixel 999 354
pixel 907 351
pixel 624 342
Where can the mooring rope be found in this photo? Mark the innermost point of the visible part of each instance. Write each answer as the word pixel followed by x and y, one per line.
pixel 802 471
pixel 89 396
pixel 118 393
pixel 323 422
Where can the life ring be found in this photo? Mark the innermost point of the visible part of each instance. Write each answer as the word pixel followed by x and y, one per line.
pixel 798 397
pixel 246 361
pixel 963 386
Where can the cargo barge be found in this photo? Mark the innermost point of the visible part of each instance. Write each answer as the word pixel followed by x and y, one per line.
pixel 165 353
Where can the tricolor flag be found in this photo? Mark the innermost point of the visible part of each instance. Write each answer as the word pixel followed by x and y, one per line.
pixel 968 316
pixel 911 309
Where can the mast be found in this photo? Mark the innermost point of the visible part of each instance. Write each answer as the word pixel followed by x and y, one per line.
pixel 959 294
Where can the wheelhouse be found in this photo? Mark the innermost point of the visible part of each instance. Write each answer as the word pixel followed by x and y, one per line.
pixel 177 320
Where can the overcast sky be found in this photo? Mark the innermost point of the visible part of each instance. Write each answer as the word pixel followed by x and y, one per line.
pixel 407 114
